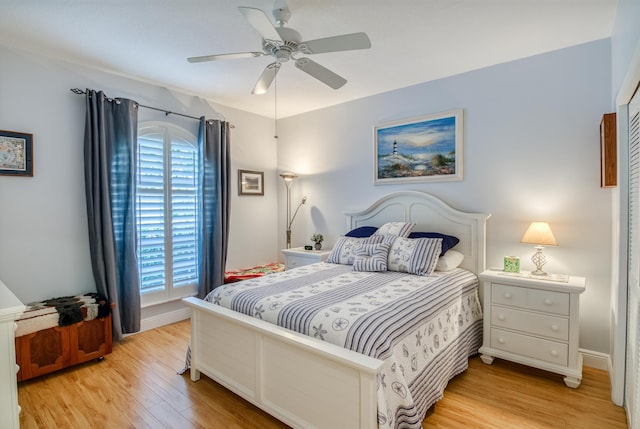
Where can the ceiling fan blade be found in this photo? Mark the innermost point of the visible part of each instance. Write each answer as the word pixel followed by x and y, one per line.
pixel 321 73
pixel 224 57
pixel 259 20
pixel 267 76
pixel 346 42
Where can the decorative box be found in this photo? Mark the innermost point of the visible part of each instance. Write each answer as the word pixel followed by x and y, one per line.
pixel 511 264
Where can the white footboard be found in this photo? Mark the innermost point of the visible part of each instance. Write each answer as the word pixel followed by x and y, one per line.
pixel 302 381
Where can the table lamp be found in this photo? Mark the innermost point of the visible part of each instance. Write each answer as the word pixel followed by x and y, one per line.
pixel 539 234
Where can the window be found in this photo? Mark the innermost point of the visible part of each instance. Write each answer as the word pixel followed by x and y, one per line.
pixel 167 213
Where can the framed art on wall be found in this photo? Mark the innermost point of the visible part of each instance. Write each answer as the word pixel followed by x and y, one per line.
pixel 16 154
pixel 424 149
pixel 250 182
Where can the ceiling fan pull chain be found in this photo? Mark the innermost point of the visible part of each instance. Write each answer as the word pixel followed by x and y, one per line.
pixel 275 104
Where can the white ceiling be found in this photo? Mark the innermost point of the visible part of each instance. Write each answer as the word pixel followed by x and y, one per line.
pixel 413 41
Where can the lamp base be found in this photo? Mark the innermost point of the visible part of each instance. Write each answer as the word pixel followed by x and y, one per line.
pixel 538 260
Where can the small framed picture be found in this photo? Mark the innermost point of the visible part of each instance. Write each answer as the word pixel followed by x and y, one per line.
pixel 16 154
pixel 250 182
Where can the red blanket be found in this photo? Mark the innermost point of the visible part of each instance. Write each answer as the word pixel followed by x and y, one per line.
pixel 249 273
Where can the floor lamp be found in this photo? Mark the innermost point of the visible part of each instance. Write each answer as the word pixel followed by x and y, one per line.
pixel 288 181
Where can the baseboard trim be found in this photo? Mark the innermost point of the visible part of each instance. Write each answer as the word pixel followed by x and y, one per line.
pixel 165 319
pixel 596 360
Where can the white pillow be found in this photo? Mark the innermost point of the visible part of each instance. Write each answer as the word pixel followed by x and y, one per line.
pixel 449 261
pixel 400 229
pixel 414 255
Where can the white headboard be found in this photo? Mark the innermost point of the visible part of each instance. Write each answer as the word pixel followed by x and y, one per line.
pixel 430 214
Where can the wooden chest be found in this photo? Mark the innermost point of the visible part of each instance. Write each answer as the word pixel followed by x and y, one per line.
pixel 52 349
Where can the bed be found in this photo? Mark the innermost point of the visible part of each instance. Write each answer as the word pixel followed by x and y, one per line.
pixel 307 381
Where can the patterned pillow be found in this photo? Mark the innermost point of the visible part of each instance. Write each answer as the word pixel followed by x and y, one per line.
pixel 414 255
pixel 400 229
pixel 344 251
pixel 372 257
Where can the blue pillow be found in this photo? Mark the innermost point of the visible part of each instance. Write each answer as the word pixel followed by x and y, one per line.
pixel 448 241
pixel 362 232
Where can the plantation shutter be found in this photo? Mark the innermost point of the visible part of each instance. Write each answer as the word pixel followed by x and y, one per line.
pixel 167 213
pixel 150 213
pixel 183 213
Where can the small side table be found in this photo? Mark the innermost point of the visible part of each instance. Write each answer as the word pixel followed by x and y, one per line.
pixel 297 257
pixel 533 321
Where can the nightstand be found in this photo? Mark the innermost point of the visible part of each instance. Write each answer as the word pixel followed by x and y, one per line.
pixel 298 257
pixel 533 321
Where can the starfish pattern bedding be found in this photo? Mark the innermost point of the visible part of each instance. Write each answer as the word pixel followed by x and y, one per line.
pixel 424 328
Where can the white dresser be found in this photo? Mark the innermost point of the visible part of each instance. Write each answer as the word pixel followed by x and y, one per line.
pixel 298 257
pixel 10 309
pixel 533 321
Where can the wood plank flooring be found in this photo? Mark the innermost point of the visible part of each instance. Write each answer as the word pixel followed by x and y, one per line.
pixel 137 387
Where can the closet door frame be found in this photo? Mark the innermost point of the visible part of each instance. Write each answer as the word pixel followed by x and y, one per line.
pixel 620 235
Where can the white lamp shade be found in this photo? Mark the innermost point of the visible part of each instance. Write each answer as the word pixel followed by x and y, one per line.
pixel 539 234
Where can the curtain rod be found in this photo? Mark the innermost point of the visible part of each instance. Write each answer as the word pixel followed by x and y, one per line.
pixel 78 91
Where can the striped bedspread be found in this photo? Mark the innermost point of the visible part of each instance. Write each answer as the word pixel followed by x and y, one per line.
pixel 424 328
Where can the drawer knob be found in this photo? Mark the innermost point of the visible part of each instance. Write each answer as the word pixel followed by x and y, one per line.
pixel 502 317
pixel 507 295
pixel 554 328
pixel 554 353
pixel 547 301
pixel 501 340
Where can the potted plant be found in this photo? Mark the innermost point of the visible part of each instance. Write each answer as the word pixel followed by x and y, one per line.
pixel 317 239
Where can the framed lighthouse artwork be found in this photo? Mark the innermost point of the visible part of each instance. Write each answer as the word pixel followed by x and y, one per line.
pixel 424 149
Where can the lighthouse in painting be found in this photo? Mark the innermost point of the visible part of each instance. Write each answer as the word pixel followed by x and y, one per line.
pixel 395 148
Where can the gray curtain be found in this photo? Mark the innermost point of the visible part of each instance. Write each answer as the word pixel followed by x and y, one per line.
pixel 110 140
pixel 213 140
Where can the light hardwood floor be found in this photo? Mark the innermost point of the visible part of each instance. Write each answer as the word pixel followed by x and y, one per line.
pixel 136 386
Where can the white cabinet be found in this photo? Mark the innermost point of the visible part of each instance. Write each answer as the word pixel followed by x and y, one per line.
pixel 298 257
pixel 533 321
pixel 10 309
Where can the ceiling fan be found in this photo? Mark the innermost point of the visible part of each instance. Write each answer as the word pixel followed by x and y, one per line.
pixel 284 44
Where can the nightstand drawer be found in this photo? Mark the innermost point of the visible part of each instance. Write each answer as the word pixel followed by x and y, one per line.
pixel 547 301
pixel 537 348
pixel 532 323
pixel 509 295
pixel 534 299
pixel 298 261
